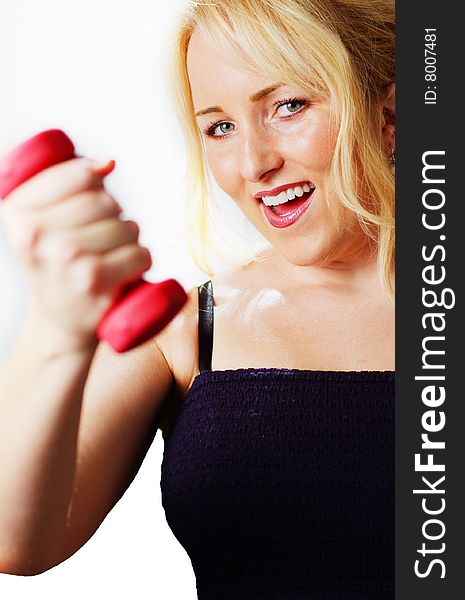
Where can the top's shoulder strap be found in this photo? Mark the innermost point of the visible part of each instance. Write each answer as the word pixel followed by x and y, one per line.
pixel 205 325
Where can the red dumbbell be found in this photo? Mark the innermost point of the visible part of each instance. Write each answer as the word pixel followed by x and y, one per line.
pixel 144 308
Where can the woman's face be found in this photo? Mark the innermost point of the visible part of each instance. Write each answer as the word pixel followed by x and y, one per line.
pixel 265 143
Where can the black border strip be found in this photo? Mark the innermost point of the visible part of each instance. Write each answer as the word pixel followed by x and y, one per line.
pixel 429 134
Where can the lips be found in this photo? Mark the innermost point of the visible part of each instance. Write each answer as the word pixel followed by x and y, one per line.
pixel 290 212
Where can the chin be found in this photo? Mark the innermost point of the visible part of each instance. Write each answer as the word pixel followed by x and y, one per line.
pixel 305 255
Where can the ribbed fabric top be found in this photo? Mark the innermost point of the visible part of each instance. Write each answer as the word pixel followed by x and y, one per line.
pixel 279 483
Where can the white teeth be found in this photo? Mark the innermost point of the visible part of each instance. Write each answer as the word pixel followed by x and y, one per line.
pixel 291 193
pixel 281 198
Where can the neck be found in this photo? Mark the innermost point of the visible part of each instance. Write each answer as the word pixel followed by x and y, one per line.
pixel 353 271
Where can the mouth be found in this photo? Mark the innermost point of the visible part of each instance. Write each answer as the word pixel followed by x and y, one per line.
pixel 286 207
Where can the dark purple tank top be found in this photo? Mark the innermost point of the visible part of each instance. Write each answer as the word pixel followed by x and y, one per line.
pixel 279 483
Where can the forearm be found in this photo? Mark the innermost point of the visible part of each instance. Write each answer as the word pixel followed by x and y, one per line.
pixel 41 389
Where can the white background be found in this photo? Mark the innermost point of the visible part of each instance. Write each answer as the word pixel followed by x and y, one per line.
pixel 98 70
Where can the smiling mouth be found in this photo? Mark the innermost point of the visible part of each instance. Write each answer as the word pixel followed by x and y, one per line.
pixel 287 213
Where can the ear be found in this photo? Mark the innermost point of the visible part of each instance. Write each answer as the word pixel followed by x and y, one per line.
pixel 388 120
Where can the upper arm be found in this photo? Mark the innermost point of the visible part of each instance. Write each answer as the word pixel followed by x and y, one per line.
pixel 122 403
pixel 121 400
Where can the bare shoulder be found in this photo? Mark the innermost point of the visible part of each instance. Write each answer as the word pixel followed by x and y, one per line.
pixel 179 340
pixel 234 285
pixel 178 343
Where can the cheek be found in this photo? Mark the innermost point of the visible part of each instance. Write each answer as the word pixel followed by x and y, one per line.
pixel 310 145
pixel 223 167
pixel 320 151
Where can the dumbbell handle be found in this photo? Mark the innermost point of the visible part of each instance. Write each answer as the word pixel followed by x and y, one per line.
pixel 144 308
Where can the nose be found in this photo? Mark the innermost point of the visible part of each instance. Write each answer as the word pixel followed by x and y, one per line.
pixel 259 155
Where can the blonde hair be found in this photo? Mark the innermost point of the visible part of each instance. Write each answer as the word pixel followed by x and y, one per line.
pixel 341 49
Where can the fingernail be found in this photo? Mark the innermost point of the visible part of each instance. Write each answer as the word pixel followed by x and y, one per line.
pixel 103 167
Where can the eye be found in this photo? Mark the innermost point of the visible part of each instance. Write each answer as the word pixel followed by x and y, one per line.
pixel 218 129
pixel 291 105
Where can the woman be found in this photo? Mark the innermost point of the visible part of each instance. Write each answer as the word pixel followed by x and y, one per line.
pixel 278 468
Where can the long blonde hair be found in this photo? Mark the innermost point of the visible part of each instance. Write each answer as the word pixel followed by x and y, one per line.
pixel 343 49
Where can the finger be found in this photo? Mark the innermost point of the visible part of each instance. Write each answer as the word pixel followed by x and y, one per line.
pixel 58 182
pixel 104 236
pixel 97 238
pixel 75 211
pixel 125 265
pixel 27 228
pixel 111 272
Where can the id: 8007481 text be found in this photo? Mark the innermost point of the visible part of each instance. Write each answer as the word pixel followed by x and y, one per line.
pixel 430 66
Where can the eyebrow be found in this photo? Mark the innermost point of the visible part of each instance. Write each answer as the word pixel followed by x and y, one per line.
pixel 253 98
